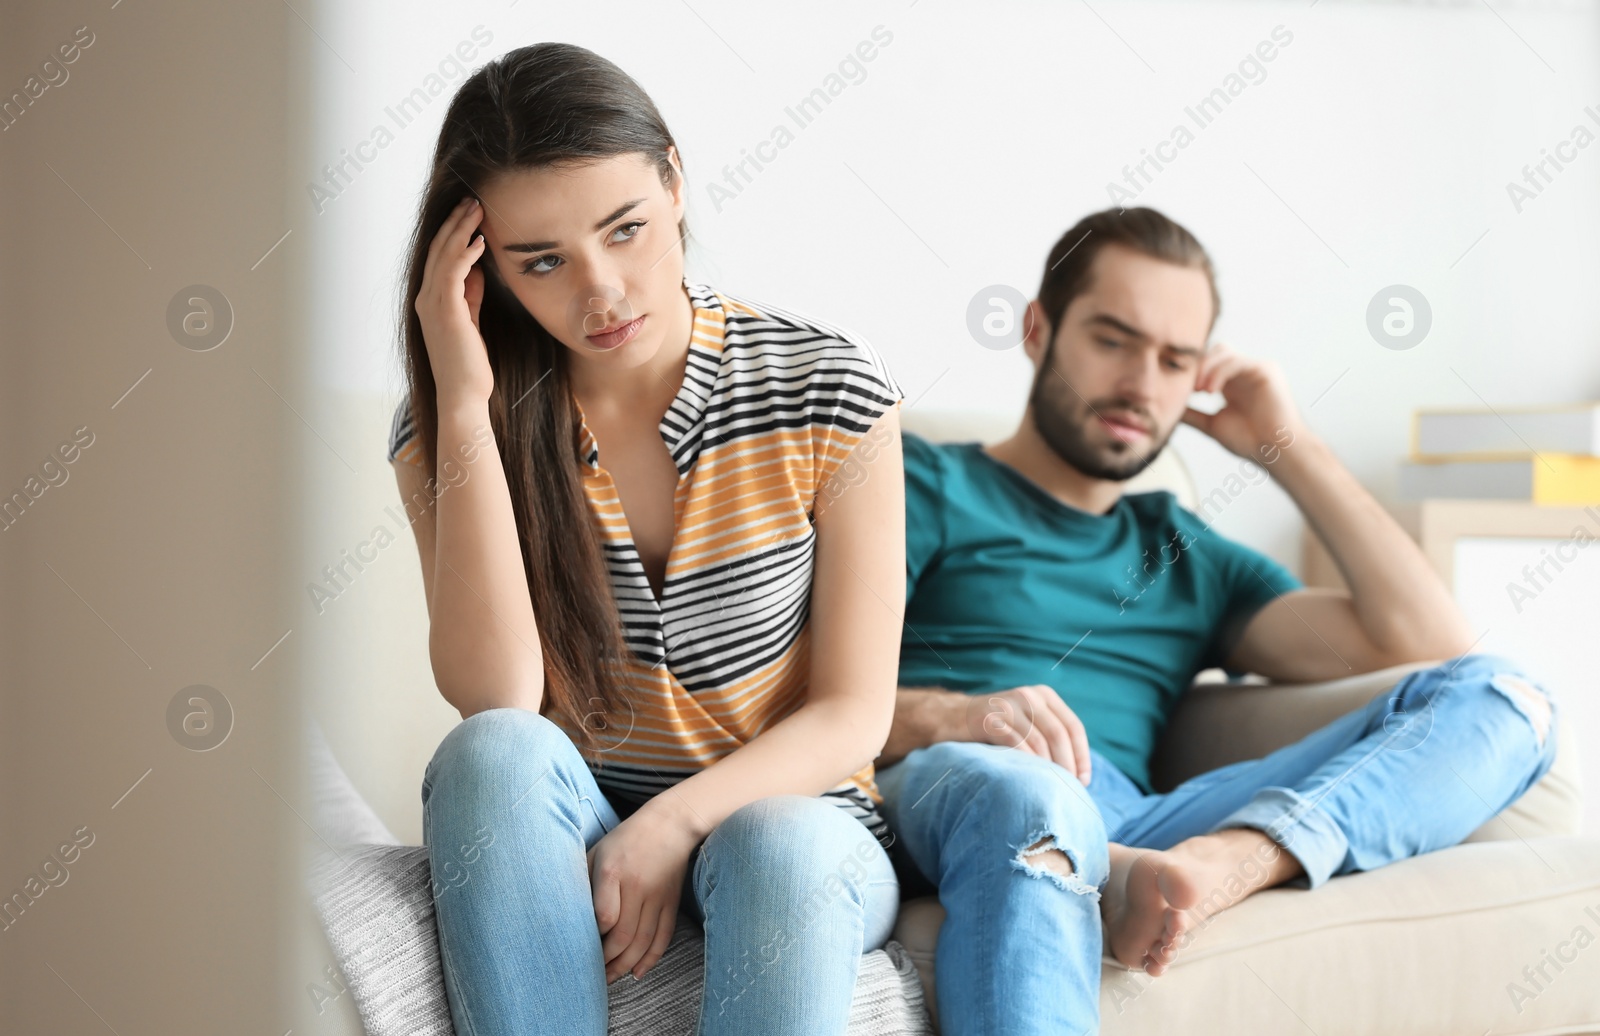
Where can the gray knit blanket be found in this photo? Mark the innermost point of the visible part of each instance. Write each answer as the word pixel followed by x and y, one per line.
pixel 376 907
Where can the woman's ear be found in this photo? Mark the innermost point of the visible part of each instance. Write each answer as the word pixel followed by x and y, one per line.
pixel 675 188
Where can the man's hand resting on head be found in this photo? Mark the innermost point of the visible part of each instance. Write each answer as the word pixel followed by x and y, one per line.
pixel 1259 417
pixel 1031 719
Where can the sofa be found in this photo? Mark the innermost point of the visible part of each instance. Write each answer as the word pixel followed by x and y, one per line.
pixel 1495 935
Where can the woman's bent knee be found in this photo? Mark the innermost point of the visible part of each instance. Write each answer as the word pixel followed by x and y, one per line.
pixel 769 831
pixel 501 751
pixel 796 848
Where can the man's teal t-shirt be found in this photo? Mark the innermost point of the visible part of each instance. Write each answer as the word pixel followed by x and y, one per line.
pixel 1008 586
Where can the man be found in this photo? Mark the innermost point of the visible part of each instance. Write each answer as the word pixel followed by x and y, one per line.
pixel 1049 612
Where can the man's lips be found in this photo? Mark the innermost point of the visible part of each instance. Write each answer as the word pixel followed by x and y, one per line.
pixel 1123 427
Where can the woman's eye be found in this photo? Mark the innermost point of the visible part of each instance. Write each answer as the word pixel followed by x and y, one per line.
pixel 1109 343
pixel 538 265
pixel 627 230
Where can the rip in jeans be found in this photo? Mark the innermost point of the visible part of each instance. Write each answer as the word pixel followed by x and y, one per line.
pixel 1045 842
pixel 1528 699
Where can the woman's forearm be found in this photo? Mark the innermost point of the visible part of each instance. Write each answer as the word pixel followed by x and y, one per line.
pixel 483 639
pixel 806 753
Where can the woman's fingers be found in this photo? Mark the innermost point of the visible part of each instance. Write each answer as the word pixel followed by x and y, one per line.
pixel 461 249
pixel 461 246
pixel 649 926
pixel 448 243
pixel 622 933
pixel 607 901
pixel 431 260
pixel 658 946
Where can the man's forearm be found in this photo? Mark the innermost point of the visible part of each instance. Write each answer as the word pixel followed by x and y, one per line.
pixel 922 717
pixel 1402 604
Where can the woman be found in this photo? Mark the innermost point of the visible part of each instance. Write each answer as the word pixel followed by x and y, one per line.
pixel 664 561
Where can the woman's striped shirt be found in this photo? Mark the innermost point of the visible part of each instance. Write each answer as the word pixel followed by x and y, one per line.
pixel 771 403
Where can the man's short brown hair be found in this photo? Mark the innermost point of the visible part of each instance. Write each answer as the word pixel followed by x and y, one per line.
pixel 1066 273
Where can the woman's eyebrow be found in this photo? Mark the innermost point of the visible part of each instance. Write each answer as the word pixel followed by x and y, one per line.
pixel 540 246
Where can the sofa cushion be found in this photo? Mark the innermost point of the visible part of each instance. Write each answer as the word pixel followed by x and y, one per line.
pixel 376 908
pixel 1445 944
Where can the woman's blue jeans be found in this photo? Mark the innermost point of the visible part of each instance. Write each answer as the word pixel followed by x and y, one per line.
pixel 790 891
pixel 1418 769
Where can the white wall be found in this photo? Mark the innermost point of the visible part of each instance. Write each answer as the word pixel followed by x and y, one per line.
pixel 1376 151
pixel 1552 634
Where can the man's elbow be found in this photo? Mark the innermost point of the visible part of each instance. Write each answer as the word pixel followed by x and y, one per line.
pixel 1453 646
pixel 1431 643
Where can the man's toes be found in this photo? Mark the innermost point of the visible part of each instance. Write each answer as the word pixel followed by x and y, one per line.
pixel 1164 951
pixel 1179 922
pixel 1130 953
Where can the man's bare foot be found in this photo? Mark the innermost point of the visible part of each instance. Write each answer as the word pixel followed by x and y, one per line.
pixel 1146 906
pixel 1154 900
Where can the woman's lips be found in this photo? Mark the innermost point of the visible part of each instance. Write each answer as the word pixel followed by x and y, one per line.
pixel 614 336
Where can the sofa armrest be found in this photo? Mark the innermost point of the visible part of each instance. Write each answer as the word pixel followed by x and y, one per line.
pixel 1215 724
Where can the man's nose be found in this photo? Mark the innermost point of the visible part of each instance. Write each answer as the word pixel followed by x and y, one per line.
pixel 1140 378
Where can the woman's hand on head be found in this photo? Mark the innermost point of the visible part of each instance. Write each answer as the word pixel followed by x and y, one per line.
pixel 447 307
pixel 636 873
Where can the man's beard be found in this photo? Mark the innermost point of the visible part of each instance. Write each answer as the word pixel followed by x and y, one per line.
pixel 1063 419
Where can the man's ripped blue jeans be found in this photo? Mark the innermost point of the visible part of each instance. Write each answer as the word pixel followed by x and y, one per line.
pixel 1419 768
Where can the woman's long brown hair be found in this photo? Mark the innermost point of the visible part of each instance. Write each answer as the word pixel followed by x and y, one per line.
pixel 532 108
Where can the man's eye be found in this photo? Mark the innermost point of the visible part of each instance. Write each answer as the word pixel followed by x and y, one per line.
pixel 627 230
pixel 1110 343
pixel 538 265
